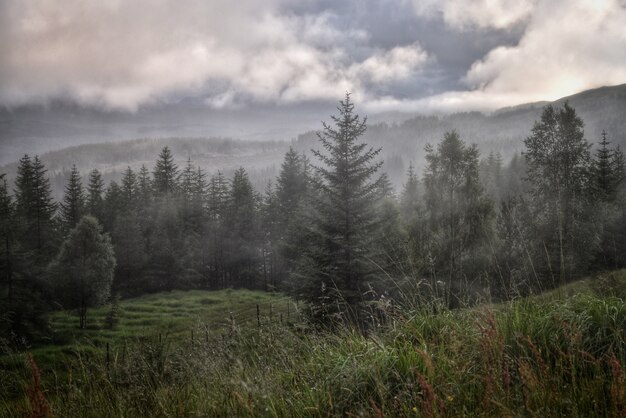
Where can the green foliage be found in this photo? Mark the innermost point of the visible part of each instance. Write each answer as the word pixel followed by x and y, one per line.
pixel 95 198
pixel 559 167
pixel 336 269
pixel 73 205
pixel 458 218
pixel 35 208
pixel 83 269
pixel 552 357
pixel 165 174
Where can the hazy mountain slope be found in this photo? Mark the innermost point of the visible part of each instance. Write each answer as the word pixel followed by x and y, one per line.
pixel 402 141
pixel 502 131
pixel 260 158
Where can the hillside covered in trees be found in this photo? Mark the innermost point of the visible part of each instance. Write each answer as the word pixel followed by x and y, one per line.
pixel 330 230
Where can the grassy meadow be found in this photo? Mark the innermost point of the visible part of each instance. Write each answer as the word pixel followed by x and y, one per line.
pixel 562 353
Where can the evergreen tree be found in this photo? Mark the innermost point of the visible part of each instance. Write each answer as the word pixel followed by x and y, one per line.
pixel 23 290
pixel 410 195
pixel 199 195
pixel 242 225
pixel 337 270
pixel 187 183
pixel 130 251
pixel 73 205
pixel 290 189
pixel 608 170
pixel 491 175
pixel 217 206
pixel 165 174
pixel 144 188
pixel 113 205
pixel 7 234
pixel 128 190
pixel 35 208
pixel 95 191
pixel 272 238
pixel 608 178
pixel 187 180
pixel 84 268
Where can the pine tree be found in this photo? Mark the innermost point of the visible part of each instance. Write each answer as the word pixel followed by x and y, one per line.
pixel 186 183
pixel 608 170
pixel 128 190
pixel 217 207
pixel 113 205
pixel 34 207
pixel 218 197
pixel 199 194
pixel 73 205
pixel 290 188
pixel 23 293
pixel 144 188
pixel 7 236
pixel 410 195
pixel 337 270
pixel 95 191
pixel 272 237
pixel 187 180
pixel 242 225
pixel 165 174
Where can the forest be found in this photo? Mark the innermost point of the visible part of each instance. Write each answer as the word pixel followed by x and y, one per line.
pixel 329 231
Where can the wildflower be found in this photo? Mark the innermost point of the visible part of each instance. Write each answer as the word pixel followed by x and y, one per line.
pixel 450 398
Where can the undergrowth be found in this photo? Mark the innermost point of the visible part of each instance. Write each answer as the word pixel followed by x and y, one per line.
pixel 549 356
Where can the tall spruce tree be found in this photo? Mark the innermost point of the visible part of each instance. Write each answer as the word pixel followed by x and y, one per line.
pixel 217 207
pixel 35 207
pixel 128 190
pixel 337 269
pixel 410 195
pixel 165 174
pixel 608 170
pixel 290 188
pixel 242 224
pixel 73 204
pixel 95 192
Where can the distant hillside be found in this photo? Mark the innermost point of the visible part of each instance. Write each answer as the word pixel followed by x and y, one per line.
pixel 260 158
pixel 402 140
pixel 501 131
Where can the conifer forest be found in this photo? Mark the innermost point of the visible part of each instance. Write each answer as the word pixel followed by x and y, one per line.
pixel 443 235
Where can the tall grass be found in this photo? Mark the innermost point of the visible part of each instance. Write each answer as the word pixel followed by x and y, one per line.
pixel 533 357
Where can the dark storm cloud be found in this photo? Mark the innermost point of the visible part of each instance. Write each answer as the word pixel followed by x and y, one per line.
pixel 420 54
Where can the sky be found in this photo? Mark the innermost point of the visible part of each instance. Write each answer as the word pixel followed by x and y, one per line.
pixel 407 55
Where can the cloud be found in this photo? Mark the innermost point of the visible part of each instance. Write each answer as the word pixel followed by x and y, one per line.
pixel 567 46
pixel 469 14
pixel 431 55
pixel 122 54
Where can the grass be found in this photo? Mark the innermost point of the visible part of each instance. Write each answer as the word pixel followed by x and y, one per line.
pixel 558 354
